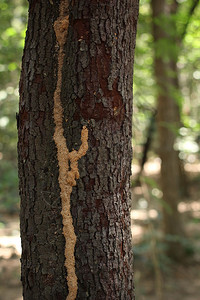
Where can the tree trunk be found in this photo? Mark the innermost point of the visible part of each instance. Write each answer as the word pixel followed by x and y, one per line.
pixel 168 118
pixel 75 122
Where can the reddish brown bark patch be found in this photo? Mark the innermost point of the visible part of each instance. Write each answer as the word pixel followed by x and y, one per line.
pixel 99 101
pixel 39 80
pixel 40 118
pixel 81 28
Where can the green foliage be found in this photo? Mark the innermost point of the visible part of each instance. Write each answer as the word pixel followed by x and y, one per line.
pixel 187 53
pixel 144 250
pixel 9 200
pixel 12 31
pixel 149 181
pixel 196 220
pixel 186 243
pixel 189 66
pixel 143 83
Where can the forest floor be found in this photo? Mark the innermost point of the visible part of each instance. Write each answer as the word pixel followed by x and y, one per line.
pixel 154 272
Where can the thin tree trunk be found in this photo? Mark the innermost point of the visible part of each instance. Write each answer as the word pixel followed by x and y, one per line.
pixel 175 86
pixel 168 120
pixel 76 79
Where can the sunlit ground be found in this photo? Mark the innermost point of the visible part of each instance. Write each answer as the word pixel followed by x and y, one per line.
pixel 178 282
pixel 182 282
pixel 10 249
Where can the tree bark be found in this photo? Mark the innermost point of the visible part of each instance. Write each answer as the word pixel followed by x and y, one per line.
pixel 168 117
pixel 95 93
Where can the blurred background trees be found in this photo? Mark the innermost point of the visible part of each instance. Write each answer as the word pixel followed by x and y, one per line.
pixel 167 48
pixel 166 126
pixel 12 33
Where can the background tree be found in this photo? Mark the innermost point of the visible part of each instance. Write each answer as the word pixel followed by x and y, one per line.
pixel 168 115
pixel 76 93
pixel 168 31
pixel 167 41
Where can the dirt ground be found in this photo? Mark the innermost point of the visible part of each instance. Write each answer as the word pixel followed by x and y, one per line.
pixel 176 282
pixel 10 248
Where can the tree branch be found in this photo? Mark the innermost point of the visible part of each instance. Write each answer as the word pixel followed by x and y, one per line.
pixel 192 9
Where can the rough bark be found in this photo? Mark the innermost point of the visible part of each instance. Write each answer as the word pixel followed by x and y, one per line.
pixel 96 93
pixel 168 119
